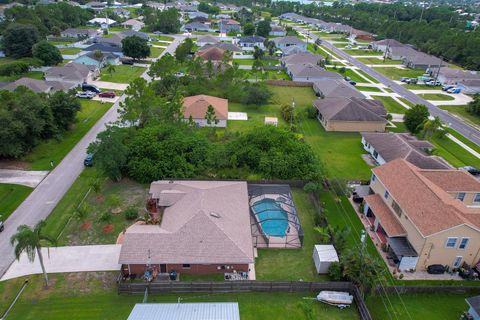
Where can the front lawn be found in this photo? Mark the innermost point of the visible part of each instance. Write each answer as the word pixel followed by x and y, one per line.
pixel 54 150
pixel 292 264
pixel 436 97
pixel 397 73
pixel 391 105
pixel 430 306
pixel 11 196
pixel 122 74
pixel 155 52
pixel 454 153
pixel 353 75
pixel 358 52
pixel 420 86
pixel 378 61
pixel 70 51
pixel 462 112
pixel 93 296
pixel 370 89
pixel 268 74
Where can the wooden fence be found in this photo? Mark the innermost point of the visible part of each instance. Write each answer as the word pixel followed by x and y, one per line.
pixel 474 289
pixel 288 83
pixel 245 286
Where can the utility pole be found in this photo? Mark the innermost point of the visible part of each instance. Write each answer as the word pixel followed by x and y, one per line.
pixel 291 115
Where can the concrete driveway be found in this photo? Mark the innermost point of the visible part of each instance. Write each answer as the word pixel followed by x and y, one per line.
pixel 68 259
pixel 458 98
pixel 22 177
pixel 110 85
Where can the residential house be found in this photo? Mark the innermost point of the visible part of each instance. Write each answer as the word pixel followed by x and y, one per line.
pixel 236 51
pixel 351 114
pixel 98 59
pixel 196 107
pixel 78 33
pixel 211 54
pixel 204 228
pixel 73 73
pixel 122 13
pixel 133 24
pixel 452 76
pixel 398 53
pixel 301 58
pixel 95 5
pixel 207 40
pixel 39 86
pixel 290 41
pixel 196 26
pixel 291 50
pixel 249 43
pixel 425 216
pixel 277 31
pixel 229 25
pixel 362 35
pixel 424 61
pixel 197 14
pixel 383 45
pixel 469 86
pixel 102 22
pixel 105 48
pixel 474 307
pixel 335 88
pixel 385 147
pixel 307 72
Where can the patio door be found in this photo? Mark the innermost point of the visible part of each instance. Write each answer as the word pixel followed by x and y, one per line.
pixel 457 261
pixel 163 268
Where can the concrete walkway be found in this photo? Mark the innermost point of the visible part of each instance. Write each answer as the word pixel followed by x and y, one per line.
pixel 68 259
pixel 22 177
pixel 463 145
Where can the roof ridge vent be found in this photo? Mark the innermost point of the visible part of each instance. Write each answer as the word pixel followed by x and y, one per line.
pixel 214 214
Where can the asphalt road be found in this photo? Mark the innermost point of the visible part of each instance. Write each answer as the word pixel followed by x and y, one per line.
pixel 455 123
pixel 40 203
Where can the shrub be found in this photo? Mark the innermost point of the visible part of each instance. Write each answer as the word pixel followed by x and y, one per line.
pixel 335 271
pixel 14 68
pixel 131 214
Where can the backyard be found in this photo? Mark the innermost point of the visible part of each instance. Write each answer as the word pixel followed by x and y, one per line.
pixel 11 196
pixel 55 149
pixel 70 51
pixel 38 75
pixel 122 74
pixel 93 296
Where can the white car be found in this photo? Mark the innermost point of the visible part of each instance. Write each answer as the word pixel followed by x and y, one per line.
pixel 85 95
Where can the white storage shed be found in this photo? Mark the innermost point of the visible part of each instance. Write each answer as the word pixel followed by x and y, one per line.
pixel 323 256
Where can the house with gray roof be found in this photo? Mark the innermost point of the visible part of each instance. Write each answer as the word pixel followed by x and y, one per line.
pixel 385 147
pixel 290 41
pixel 277 31
pixel 301 58
pixel 383 45
pixel 474 307
pixel 398 53
pixel 469 86
pixel 452 76
pixel 351 114
pixel 248 43
pixel 78 33
pixel 422 60
pixel 208 39
pixel 204 228
pixel 196 26
pixel 39 86
pixel 310 73
pixel 73 73
pixel 335 88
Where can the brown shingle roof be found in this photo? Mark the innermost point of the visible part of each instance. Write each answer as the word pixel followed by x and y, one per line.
pixel 206 222
pixel 196 106
pixel 351 109
pixel 212 53
pixel 389 223
pixel 422 197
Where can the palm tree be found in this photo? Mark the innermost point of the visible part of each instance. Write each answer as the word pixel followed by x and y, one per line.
pixel 431 126
pixel 110 68
pixel 30 240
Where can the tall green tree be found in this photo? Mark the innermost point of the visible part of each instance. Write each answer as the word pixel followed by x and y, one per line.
pixel 46 52
pixel 135 47
pixel 164 66
pixel 184 49
pixel 248 29
pixel 430 127
pixel 361 268
pixel 18 40
pixel 211 117
pixel 30 241
pixel 264 28
pixel 64 106
pixel 110 68
pixel 141 103
pixel 415 117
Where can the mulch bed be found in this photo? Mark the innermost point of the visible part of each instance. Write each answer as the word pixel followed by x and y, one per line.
pixel 85 225
pixel 108 228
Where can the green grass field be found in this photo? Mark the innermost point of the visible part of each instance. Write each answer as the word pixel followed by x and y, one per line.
pixel 399 127
pixel 11 195
pixel 92 296
pixel 354 76
pixel 55 150
pixel 454 153
pixel 38 75
pixel 358 52
pixel 69 51
pixel 244 62
pixel 155 52
pixel 462 112
pixel 396 73
pixel 122 74
pixel 436 96
pixel 368 89
pixel 391 105
pixel 421 86
pixel 378 61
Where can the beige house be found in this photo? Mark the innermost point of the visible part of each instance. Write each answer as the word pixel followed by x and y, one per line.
pixel 196 107
pixel 425 216
pixel 351 114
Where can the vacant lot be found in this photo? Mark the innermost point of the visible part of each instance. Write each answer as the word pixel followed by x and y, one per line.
pixel 391 105
pixel 55 149
pixel 122 74
pixel 93 296
pixel 436 96
pixel 11 195
pixel 397 73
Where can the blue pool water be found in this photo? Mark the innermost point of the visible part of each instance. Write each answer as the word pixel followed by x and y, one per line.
pixel 273 219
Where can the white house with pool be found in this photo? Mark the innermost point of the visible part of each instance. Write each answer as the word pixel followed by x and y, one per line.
pixel 274 219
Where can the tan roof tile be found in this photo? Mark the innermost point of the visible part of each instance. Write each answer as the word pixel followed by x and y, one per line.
pixel 196 106
pixel 389 223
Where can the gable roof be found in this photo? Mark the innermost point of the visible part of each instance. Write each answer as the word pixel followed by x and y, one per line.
pixel 290 40
pixel 103 47
pixel 35 85
pixel 393 146
pixel 306 70
pixel 208 38
pixel 71 71
pixel 211 53
pixel 229 22
pixel 423 195
pixel 133 22
pixel 302 57
pixel 336 88
pixel 392 43
pixel 204 222
pixel 251 39
pixel 196 106
pixel 351 109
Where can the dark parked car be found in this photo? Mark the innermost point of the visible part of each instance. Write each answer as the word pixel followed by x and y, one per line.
pixel 436 269
pixel 90 87
pixel 127 61
pixel 88 162
pixel 2 226
pixel 353 83
pixel 472 170
pixel 108 94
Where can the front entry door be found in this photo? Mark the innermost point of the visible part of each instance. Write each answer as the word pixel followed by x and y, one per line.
pixel 163 268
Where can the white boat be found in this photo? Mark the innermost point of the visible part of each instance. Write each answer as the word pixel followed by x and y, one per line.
pixel 335 298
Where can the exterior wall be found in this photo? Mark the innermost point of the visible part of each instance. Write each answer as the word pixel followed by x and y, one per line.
pixel 377 47
pixel 251 46
pixel 436 252
pixel 278 33
pixel 88 61
pixel 203 123
pixel 371 150
pixel 413 235
pixel 469 199
pixel 139 269
pixel 355 126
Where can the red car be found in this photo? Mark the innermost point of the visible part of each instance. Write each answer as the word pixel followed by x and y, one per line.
pixel 107 95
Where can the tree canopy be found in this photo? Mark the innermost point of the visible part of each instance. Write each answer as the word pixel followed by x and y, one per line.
pixel 135 47
pixel 166 21
pixel 18 40
pixel 415 117
pixel 46 52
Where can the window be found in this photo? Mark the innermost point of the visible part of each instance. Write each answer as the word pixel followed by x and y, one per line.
pixel 463 244
pixel 374 177
pixel 375 154
pixel 186 266
pixel 451 242
pixel 397 208
pixel 477 197
pixel 461 196
pixel 386 194
pixel 457 261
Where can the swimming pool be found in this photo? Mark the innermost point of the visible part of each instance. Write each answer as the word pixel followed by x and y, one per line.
pixel 273 219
